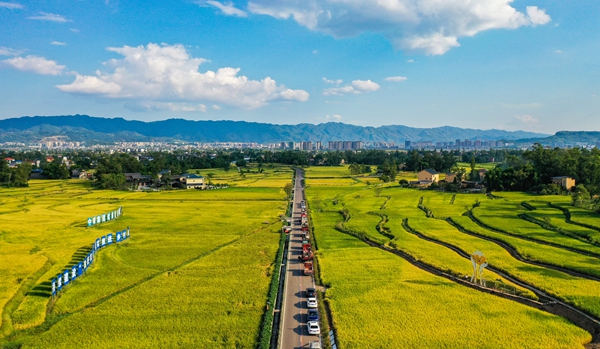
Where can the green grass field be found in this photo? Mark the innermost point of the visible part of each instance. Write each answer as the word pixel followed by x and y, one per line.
pixel 372 276
pixel 195 272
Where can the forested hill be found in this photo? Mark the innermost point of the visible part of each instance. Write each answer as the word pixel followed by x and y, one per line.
pixel 87 128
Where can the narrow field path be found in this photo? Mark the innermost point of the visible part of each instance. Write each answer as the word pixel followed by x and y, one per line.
pixel 516 255
pixel 571 249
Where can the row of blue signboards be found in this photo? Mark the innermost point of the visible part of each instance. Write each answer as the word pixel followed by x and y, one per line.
pixel 74 272
pixel 106 217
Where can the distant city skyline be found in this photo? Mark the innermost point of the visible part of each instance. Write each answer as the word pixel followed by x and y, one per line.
pixel 484 64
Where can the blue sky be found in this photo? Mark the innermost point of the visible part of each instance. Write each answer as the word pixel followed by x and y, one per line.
pixel 524 64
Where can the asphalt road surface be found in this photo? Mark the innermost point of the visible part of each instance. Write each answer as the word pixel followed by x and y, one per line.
pixel 294 333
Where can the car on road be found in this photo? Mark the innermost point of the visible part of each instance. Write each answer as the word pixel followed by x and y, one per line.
pixel 310 292
pixel 315 345
pixel 311 302
pixel 312 315
pixel 313 327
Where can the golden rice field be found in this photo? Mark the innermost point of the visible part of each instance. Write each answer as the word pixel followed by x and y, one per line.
pixel 195 272
pixel 405 307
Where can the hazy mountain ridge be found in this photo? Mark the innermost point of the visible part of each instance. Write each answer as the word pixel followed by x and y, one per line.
pixel 97 129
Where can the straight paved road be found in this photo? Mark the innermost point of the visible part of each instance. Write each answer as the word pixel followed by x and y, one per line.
pixel 294 333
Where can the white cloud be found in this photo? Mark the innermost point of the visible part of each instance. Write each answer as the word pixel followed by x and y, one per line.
pixel 165 73
pixel 226 8
pixel 58 43
pixel 356 87
pixel 410 61
pixel 526 119
pixel 333 82
pixel 216 107
pixel 559 51
pixel 537 16
pixel 51 17
pixel 396 78
pixel 74 30
pixel 315 52
pixel 334 117
pixel 429 26
pixel 146 106
pixel 365 85
pixel 38 65
pixel 10 5
pixel 7 51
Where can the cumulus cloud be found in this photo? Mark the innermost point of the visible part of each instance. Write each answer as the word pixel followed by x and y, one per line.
pixel 58 43
pixel 429 26
pixel 216 107
pixel 7 51
pixel 51 17
pixel 334 117
pixel 165 73
pixel 396 78
pixel 526 119
pixel 38 65
pixel 356 87
pixel 227 8
pixel 10 5
pixel 333 82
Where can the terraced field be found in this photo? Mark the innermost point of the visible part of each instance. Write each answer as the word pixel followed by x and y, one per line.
pixel 429 229
pixel 183 279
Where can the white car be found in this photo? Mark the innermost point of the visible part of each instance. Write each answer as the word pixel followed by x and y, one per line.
pixel 313 327
pixel 311 302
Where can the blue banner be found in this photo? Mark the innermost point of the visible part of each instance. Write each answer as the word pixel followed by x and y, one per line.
pixel 89 222
pixel 109 239
pixel 53 287
pixel 66 277
pixel 80 269
pixel 97 244
pixel 118 236
pixel 103 243
pixel 74 272
pixel 59 282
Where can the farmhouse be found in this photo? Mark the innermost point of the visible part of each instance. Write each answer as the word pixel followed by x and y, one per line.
pixel 138 180
pixel 564 181
pixel 428 175
pixel 190 181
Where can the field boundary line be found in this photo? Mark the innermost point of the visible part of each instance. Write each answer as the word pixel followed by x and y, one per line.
pixel 552 305
pixel 6 329
pixel 484 225
pixel 516 255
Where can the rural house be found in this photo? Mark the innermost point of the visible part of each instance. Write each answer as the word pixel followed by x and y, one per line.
pixel 564 181
pixel 428 175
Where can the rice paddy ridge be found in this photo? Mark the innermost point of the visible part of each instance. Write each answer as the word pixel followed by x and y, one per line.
pixel 551 227
pixel 592 275
pixel 547 303
pixel 515 254
pixel 572 249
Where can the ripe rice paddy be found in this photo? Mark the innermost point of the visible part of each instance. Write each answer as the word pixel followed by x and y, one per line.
pixel 401 304
pixel 195 272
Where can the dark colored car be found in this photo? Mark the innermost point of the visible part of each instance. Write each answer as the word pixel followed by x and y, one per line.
pixel 311 292
pixel 313 315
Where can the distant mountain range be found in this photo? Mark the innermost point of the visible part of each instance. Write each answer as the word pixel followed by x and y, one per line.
pixel 80 128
